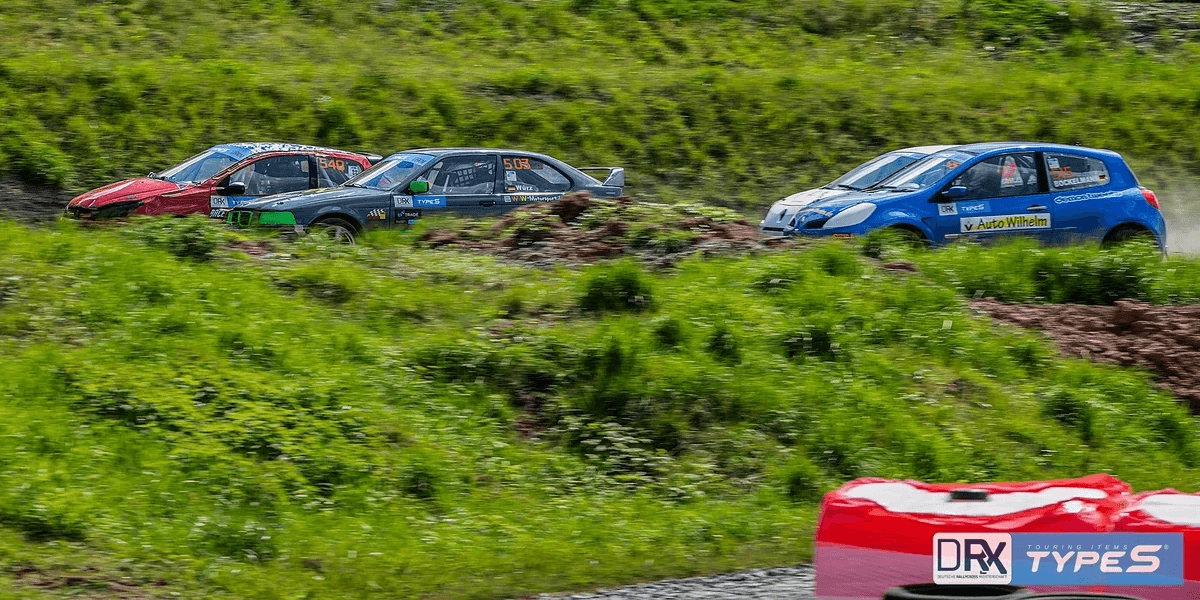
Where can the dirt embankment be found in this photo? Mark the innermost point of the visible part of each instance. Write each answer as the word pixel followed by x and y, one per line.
pixel 1163 339
pixel 27 202
pixel 581 229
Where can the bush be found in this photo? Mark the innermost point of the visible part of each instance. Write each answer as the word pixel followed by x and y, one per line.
pixel 622 287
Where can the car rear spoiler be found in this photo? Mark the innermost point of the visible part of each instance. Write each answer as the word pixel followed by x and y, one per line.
pixel 615 177
pixel 373 158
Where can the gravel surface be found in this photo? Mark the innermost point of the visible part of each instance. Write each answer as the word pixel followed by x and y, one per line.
pixel 790 583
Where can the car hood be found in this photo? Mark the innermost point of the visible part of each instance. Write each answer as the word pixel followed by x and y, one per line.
pixel 785 217
pixel 301 199
pixel 129 190
pixel 809 196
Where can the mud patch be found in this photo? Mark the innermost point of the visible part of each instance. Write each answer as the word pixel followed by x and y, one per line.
pixel 88 582
pixel 1163 339
pixel 26 202
pixel 581 229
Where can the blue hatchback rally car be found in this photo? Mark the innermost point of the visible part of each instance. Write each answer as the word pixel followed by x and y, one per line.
pixel 986 192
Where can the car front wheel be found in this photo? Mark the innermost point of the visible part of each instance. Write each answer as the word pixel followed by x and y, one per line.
pixel 335 229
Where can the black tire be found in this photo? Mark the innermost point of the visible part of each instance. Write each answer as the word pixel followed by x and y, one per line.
pixel 336 229
pixel 930 591
pixel 909 237
pixel 1124 235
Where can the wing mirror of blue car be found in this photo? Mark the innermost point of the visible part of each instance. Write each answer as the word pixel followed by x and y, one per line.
pixel 418 187
pixel 236 188
pixel 957 192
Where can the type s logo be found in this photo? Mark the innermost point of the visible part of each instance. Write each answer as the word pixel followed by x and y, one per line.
pixel 972 558
pixel 1114 559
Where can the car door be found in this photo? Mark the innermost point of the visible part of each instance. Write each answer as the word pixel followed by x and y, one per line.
pixel 528 180
pixel 1004 197
pixel 264 177
pixel 1079 186
pixel 462 183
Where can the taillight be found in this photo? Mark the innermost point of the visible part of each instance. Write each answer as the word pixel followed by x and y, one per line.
pixel 1151 199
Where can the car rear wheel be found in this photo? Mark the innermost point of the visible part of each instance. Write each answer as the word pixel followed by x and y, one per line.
pixel 930 591
pixel 336 230
pixel 1124 235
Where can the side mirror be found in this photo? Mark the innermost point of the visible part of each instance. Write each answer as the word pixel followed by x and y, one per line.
pixel 419 187
pixel 236 188
pixel 955 193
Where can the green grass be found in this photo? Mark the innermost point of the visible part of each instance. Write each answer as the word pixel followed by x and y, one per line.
pixel 734 103
pixel 386 421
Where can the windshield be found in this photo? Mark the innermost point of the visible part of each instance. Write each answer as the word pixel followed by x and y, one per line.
pixel 198 168
pixel 876 170
pixel 391 171
pixel 927 172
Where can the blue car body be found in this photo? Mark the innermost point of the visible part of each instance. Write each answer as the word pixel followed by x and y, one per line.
pixel 860 178
pixel 987 192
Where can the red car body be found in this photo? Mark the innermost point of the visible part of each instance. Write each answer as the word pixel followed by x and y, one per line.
pixel 174 192
pixel 874 535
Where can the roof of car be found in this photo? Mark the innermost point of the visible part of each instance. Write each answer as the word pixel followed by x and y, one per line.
pixel 984 147
pixel 449 150
pixel 241 150
pixel 924 149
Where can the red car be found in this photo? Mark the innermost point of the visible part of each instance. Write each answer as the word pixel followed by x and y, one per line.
pixel 903 540
pixel 222 177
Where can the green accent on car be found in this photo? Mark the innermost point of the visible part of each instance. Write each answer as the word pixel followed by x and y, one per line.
pixel 276 218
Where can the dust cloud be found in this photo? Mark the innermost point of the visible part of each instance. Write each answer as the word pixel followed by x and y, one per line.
pixel 1180 202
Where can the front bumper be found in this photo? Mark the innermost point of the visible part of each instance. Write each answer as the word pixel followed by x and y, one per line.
pixel 256 218
pixel 108 211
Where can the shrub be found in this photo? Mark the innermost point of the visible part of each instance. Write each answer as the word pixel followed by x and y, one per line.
pixel 622 287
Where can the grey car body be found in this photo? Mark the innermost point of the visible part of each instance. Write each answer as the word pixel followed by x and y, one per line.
pixel 781 217
pixel 466 181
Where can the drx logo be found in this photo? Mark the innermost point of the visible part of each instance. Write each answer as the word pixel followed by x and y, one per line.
pixel 972 558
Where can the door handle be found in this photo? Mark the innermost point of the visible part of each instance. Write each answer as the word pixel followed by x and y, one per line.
pixel 487 202
pixel 1036 208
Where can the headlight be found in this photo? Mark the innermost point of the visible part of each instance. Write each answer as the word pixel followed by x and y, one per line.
pixel 851 216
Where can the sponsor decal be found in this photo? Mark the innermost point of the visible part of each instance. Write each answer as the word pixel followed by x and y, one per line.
pixel 216 213
pixel 842 236
pixel 218 202
pixel 947 209
pixel 1003 223
pixel 406 214
pixel 1059 559
pixel 971 208
pixel 377 214
pixel 972 558
pixel 403 201
pixel 1079 180
pixel 429 201
pixel 532 197
pixel 353 169
pixel 1088 196
pixel 510 175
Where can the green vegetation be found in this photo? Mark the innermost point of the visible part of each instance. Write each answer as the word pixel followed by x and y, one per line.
pixel 723 101
pixel 387 421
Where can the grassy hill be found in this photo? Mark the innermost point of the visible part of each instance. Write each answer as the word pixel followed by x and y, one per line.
pixel 735 103
pixel 178 418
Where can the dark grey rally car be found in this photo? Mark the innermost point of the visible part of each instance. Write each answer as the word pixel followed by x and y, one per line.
pixel 405 186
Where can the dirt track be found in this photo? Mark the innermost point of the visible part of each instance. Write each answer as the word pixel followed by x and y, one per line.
pixel 27 202
pixel 1163 339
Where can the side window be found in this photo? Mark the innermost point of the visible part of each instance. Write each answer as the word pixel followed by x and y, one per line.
pixel 1069 172
pixel 333 172
pixel 532 175
pixel 274 175
pixel 461 175
pixel 1000 177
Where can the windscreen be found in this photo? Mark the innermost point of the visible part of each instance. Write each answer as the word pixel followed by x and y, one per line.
pixel 391 171
pixel 876 170
pixel 927 172
pixel 198 168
